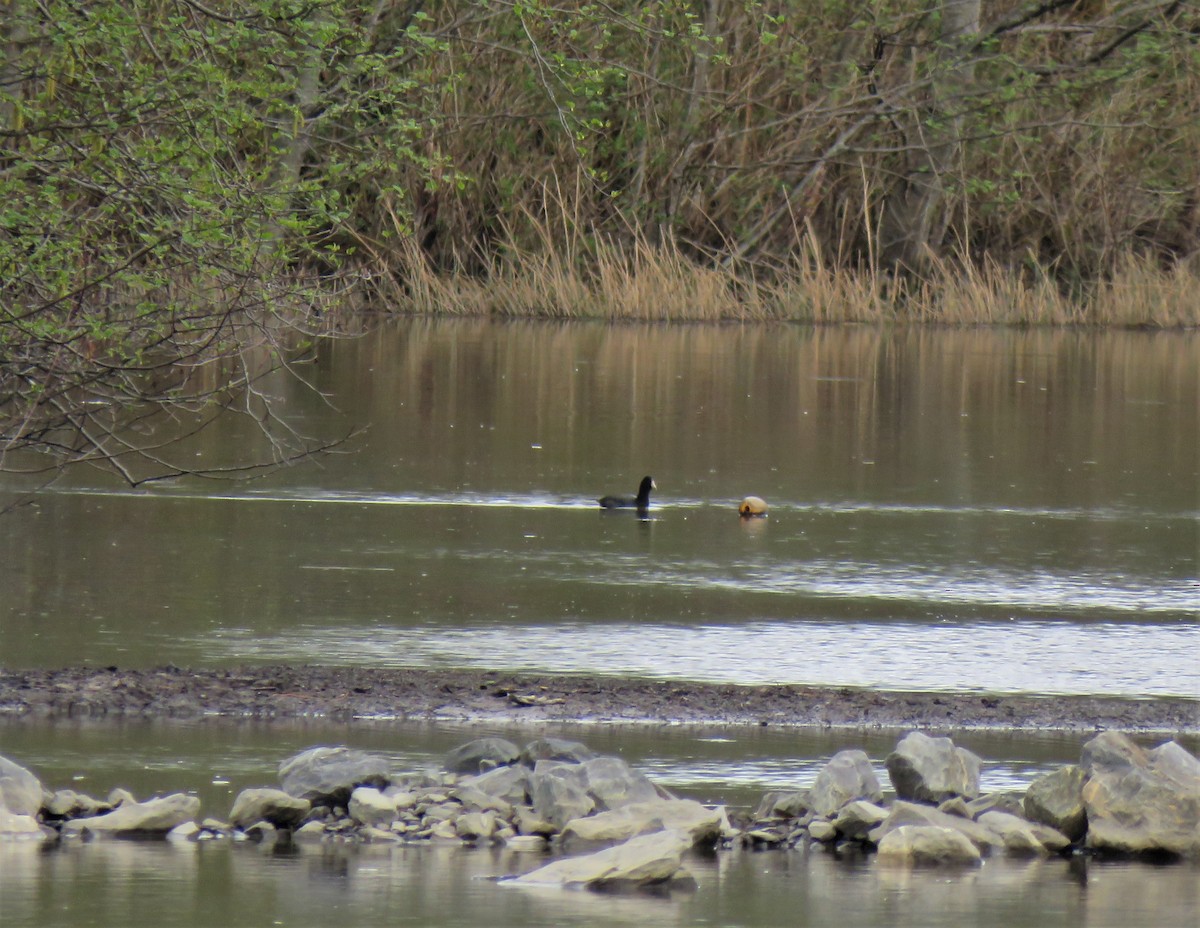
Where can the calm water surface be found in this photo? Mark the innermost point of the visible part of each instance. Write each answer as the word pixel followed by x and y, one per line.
pixel 988 510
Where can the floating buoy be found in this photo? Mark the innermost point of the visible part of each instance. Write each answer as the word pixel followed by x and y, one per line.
pixel 752 507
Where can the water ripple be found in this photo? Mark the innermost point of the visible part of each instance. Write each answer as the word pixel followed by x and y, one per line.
pixel 1007 657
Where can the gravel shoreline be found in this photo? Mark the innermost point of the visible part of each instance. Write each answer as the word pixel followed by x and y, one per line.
pixel 469 695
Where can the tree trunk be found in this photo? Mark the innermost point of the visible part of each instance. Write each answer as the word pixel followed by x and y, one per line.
pixel 915 218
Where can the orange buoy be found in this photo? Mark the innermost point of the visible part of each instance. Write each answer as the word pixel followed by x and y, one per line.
pixel 752 507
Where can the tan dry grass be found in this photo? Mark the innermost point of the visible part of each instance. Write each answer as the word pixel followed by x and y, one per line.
pixel 577 277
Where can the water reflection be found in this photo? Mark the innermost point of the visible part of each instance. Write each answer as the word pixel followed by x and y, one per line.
pixel 1027 500
pixel 123 883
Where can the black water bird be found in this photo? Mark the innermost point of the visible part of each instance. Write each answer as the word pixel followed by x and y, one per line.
pixel 641 502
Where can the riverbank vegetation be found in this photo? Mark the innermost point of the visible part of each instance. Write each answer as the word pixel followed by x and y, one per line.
pixel 185 185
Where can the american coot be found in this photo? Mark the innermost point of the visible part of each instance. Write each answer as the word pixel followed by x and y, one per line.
pixel 641 502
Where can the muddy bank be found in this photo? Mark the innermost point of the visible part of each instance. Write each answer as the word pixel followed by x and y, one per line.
pixel 465 695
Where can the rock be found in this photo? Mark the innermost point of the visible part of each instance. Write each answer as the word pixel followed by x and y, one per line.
pixel 612 783
pixel 371 807
pixel 571 752
pixel 1056 799
pixel 402 799
pixel 1022 837
pixel 955 805
pixel 184 832
pixel 20 791
pixel 526 843
pixel 444 831
pixel 822 831
pixel 557 794
pixel 378 835
pixel 927 845
pixel 262 833
pixel 327 776
pixel 846 777
pixel 855 820
pixel 66 803
pixel 476 825
pixel 924 769
pixel 908 813
pixel 474 799
pixel 117 797
pixel 685 816
pixel 510 784
pixel 529 823
pixel 15 825
pixel 309 831
pixel 480 755
pixel 280 809
pixel 642 861
pixel 154 815
pixel 441 812
pixel 1009 801
pixel 783 804
pixel 1141 802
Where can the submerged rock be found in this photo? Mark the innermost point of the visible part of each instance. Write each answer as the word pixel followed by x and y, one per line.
pixel 642 861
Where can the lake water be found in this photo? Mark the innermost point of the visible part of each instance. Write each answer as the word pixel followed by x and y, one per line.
pixel 989 510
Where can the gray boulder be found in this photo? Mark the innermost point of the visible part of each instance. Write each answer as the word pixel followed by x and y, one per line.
pixel 510 784
pixel 153 816
pixel 326 776
pixel 855 820
pixel 1138 801
pixel 924 769
pixel 273 806
pixel 66 803
pixel 475 826
pixel 1022 837
pixel 15 826
pixel 646 860
pixel 927 845
pixel 612 783
pixel 481 754
pixel 783 804
pixel 846 777
pixel 20 791
pixel 372 807
pixel 1010 801
pixel 557 793
pixel 571 752
pixel 909 813
pixel 1056 799
pixel 474 799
